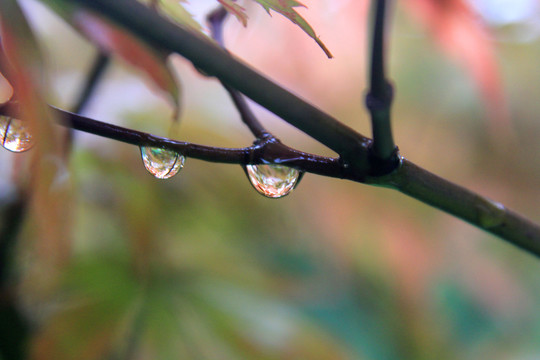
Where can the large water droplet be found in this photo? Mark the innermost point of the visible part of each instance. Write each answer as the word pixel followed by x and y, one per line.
pixel 273 181
pixel 15 134
pixel 162 163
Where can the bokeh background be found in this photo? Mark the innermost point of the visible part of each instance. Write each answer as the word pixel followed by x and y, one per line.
pixel 201 266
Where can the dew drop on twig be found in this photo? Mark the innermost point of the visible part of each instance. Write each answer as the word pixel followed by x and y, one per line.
pixel 162 163
pixel 273 181
pixel 15 134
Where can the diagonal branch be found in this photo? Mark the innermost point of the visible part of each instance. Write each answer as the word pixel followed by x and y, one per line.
pixel 205 55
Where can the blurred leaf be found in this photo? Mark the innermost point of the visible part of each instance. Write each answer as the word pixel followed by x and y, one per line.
pixel 236 10
pixel 114 39
pixel 285 8
pixel 46 235
pixel 458 30
pixel 101 294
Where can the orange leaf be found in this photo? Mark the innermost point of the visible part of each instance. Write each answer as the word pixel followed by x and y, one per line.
pixel 114 39
pixel 459 32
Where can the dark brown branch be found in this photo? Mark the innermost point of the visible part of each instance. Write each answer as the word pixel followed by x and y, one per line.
pixel 380 95
pixel 267 150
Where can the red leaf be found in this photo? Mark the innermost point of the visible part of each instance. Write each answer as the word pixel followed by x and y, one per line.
pixel 460 33
pixel 114 39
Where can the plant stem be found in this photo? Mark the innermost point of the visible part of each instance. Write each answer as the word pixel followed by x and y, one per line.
pixel 99 66
pixel 270 150
pixel 486 214
pixel 216 19
pixel 380 95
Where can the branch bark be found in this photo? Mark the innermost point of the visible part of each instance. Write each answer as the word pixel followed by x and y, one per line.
pixel 380 95
pixel 352 147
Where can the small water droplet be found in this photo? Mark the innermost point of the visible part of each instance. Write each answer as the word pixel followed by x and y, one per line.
pixel 162 163
pixel 492 214
pixel 15 134
pixel 273 181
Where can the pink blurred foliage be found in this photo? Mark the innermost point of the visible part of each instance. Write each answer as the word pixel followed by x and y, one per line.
pixel 277 48
pixel 458 30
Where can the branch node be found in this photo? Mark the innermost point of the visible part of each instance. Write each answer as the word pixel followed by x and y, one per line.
pixel 383 166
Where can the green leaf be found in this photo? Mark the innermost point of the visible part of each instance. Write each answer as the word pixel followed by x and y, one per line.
pixel 286 8
pixel 115 39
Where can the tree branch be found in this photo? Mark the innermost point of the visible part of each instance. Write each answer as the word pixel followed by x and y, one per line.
pixel 267 150
pixel 408 178
pixel 486 214
pixel 353 148
pixel 213 60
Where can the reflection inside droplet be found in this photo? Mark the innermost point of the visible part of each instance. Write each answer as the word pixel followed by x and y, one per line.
pixel 273 181
pixel 15 134
pixel 162 163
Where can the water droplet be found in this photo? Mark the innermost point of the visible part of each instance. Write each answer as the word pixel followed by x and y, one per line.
pixel 492 214
pixel 273 181
pixel 162 163
pixel 15 134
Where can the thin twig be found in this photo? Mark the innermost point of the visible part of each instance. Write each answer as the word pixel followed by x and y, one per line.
pixel 216 19
pixel 268 150
pixel 99 66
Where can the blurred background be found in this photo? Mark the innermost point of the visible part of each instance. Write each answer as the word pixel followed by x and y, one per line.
pixel 200 266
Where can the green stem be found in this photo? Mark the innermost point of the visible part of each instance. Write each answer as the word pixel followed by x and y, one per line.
pixel 486 214
pixel 380 95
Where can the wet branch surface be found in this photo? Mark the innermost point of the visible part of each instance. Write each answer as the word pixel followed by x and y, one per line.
pixel 354 149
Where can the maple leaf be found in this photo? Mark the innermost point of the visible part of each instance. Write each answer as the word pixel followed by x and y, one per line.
pixel 459 32
pixel 236 10
pixel 114 39
pixel 286 8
